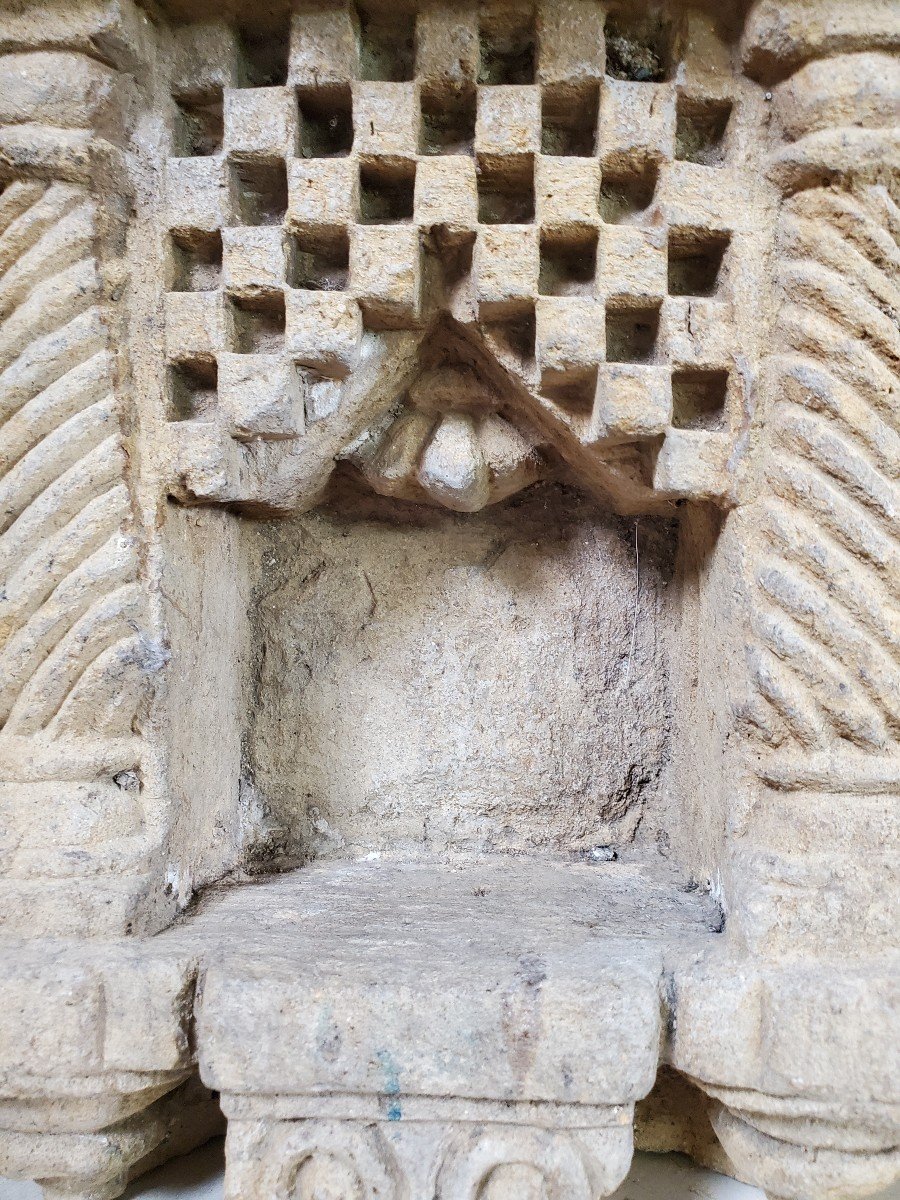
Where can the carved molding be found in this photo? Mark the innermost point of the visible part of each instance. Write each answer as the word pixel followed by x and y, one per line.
pixel 412 1160
pixel 801 1158
pixel 78 655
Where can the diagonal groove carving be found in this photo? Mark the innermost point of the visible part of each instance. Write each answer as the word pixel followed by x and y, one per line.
pixel 28 211
pixel 110 618
pixel 49 562
pixel 848 582
pixel 844 461
pixel 800 596
pixel 84 385
pixel 802 483
pixel 84 479
pixel 51 303
pixel 852 361
pixel 71 608
pixel 820 391
pixel 830 684
pixel 825 659
pixel 46 461
pixel 46 359
pixel 63 245
pixel 112 565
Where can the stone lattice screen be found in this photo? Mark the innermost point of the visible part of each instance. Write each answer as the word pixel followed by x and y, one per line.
pixel 597 226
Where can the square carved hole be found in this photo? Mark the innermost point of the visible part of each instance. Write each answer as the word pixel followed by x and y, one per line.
pixel 638 48
pixel 199 126
pixel 698 399
pixel 265 57
pixel 196 261
pixel 320 264
pixel 386 193
pixel 388 48
pixel 258 324
pixel 506 193
pixel 259 192
pixel 448 123
pixel 454 253
pixel 192 389
pixel 518 336
pixel 573 393
pixel 631 333
pixel 569 120
pixel 568 264
pixel 700 130
pixel 326 122
pixel 507 46
pixel 626 194
pixel 695 262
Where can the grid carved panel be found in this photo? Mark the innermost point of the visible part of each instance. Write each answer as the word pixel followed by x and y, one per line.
pixel 597 199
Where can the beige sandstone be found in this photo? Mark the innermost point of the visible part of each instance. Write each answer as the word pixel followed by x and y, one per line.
pixel 449 637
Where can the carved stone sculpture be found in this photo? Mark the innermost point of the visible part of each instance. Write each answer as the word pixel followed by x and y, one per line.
pixel 449 635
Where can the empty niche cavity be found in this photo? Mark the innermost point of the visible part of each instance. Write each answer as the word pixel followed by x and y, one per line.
pixel 518 336
pixel 199 125
pixel 196 261
pixel 696 262
pixel 568 264
pixel 626 193
pixel 506 45
pixel 265 56
pixel 326 122
pixel 386 193
pixel 259 324
pixel 193 388
pixel 698 399
pixel 700 130
pixel 573 393
pixel 631 333
pixel 387 48
pixel 448 123
pixel 506 193
pixel 569 120
pixel 435 579
pixel 260 192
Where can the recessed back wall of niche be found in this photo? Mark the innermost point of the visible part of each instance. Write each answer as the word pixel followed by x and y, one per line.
pixel 426 680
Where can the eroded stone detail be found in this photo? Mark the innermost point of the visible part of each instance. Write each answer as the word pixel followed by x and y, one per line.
pixel 304 1160
pixel 441 1158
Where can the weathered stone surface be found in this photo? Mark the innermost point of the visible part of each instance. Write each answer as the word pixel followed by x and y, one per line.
pixel 518 963
pixel 448 456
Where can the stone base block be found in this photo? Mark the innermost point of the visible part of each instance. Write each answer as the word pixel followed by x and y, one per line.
pixel 511 981
pixel 435 1031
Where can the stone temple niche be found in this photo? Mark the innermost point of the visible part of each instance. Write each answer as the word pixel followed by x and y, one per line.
pixel 449 664
pixel 431 681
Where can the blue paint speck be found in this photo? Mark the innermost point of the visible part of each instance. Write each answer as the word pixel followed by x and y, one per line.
pixel 391 1074
pixel 394 1113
